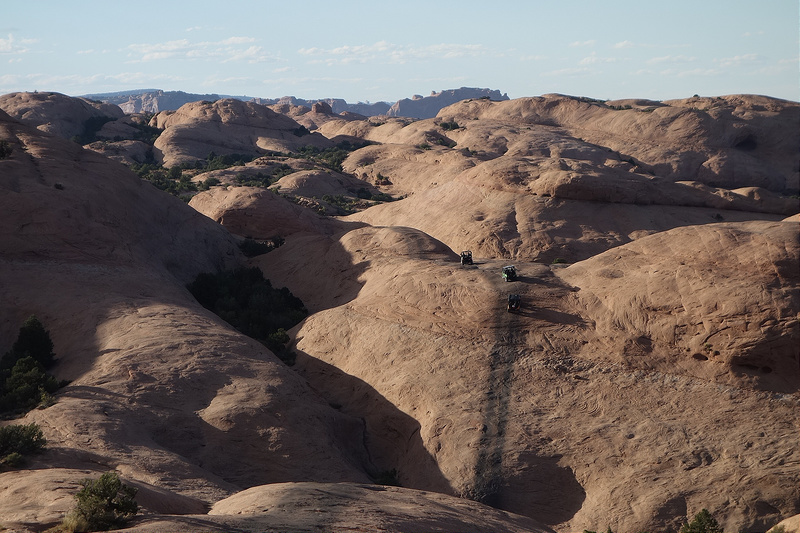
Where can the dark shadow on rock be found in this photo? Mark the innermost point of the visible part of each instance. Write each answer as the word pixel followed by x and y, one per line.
pixel 541 489
pixel 391 437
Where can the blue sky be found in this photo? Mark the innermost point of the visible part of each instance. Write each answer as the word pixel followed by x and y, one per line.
pixel 376 50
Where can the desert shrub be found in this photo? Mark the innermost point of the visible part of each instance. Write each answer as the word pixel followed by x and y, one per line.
pixel 219 162
pixel 19 440
pixel 344 204
pixel 208 183
pixel 449 125
pixel 32 341
pixel 331 158
pixel 249 303
pixel 559 261
pixel 5 149
pixel 24 383
pixel 388 477
pixel 24 439
pixel 25 386
pixel 265 179
pixel 702 522
pixel 102 504
pixel 12 460
pixel 170 180
pixel 145 133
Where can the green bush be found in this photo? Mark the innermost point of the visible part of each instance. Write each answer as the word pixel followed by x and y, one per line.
pixel 449 126
pixel 17 441
pixel 25 386
pixel 387 477
pixel 249 303
pixel 5 149
pixel 33 341
pixel 102 504
pixel 24 383
pixel 702 522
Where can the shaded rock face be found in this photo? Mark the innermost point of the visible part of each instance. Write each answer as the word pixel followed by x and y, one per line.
pixel 428 107
pixel 649 372
pixel 57 113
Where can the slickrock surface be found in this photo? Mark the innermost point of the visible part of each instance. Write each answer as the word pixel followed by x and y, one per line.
pixel 650 372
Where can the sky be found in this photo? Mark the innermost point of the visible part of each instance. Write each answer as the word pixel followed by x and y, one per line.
pixel 369 51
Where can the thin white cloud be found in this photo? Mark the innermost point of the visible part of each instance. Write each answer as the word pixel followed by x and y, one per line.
pixel 237 40
pixel 670 59
pixel 694 73
pixel 738 61
pixel 576 44
pixel 624 44
pixel 232 80
pixel 12 45
pixel 568 72
pixel 593 59
pixel 391 53
pixel 232 49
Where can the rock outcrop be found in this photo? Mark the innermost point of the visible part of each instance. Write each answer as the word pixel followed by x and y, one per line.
pixel 429 106
pixel 228 127
pixel 59 114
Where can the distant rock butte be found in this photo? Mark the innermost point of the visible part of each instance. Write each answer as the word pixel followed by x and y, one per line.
pixel 155 101
pixel 429 106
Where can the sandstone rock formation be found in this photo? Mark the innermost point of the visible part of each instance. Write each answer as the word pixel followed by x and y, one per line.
pixel 650 372
pixel 57 113
pixel 225 127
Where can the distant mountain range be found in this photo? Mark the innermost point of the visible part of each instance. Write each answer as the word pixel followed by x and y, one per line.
pixel 155 100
